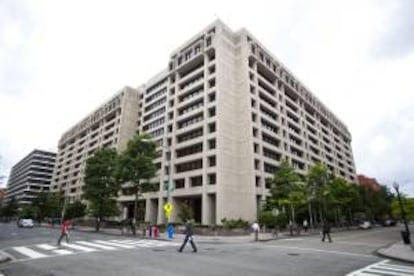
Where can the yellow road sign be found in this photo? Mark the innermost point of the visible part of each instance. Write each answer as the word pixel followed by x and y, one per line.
pixel 168 209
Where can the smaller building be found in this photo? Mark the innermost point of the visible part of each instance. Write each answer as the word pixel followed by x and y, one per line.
pixel 30 176
pixel 369 183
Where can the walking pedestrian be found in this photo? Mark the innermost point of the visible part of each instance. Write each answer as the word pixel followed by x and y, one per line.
pixel 326 231
pixel 64 232
pixel 256 230
pixel 305 225
pixel 291 227
pixel 189 232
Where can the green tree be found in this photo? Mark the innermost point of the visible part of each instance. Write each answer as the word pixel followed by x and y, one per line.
pixel 40 204
pixel 10 209
pixel 75 210
pixel 287 189
pixel 101 187
pixel 339 194
pixel 185 212
pixel 54 205
pixel 408 205
pixel 27 211
pixel 136 167
pixel 317 179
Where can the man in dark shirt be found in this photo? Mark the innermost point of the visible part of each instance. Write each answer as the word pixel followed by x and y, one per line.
pixel 188 237
pixel 326 230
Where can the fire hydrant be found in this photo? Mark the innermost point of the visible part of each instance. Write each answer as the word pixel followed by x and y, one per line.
pixel 155 231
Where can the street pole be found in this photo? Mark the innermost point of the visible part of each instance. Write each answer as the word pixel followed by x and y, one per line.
pixel 169 178
pixel 407 230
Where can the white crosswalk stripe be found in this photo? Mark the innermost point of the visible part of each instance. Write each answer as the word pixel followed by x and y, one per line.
pixel 79 247
pixel 100 246
pixel 44 250
pixel 384 268
pixel 114 244
pixel 46 246
pixel 62 252
pixel 29 252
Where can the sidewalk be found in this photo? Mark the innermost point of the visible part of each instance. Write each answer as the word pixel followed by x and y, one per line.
pixel 398 251
pixel 3 258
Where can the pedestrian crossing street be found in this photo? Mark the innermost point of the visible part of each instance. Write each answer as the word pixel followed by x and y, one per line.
pixel 384 268
pixel 45 250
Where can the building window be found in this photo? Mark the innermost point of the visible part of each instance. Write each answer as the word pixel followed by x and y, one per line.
pixel 212 127
pixel 212 97
pixel 212 112
pixel 257 181
pixel 212 179
pixel 212 144
pixel 196 181
pixel 212 161
pixel 256 164
pixel 179 183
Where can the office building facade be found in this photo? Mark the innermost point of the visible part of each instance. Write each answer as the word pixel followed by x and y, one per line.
pixel 111 125
pixel 224 113
pixel 30 176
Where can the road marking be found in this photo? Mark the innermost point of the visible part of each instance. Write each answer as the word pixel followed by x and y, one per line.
pixel 384 268
pixel 79 247
pixel 62 252
pixel 323 251
pixel 96 245
pixel 46 247
pixel 29 252
pixel 114 244
pixel 356 243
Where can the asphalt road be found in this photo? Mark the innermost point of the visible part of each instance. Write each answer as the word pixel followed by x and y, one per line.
pixel 35 253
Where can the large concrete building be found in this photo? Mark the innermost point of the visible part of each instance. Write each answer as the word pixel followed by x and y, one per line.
pixel 225 112
pixel 30 176
pixel 111 125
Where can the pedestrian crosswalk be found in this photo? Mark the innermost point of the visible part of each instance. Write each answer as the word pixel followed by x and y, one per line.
pixel 384 268
pixel 45 250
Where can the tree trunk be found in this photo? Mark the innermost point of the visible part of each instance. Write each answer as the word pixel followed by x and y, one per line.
pixel 98 224
pixel 134 219
pixel 310 214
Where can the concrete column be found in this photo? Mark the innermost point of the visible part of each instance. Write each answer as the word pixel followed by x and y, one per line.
pixel 151 210
pixel 174 213
pixel 206 210
pixel 160 217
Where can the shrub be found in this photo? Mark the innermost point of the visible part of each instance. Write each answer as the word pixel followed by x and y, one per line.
pixel 233 223
pixel 268 219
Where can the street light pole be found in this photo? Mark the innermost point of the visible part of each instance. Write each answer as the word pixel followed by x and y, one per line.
pixel 407 230
pixel 168 207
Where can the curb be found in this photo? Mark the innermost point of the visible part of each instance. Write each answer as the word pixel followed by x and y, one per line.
pixel 4 258
pixel 389 256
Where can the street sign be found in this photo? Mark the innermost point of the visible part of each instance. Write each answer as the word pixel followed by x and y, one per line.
pixel 168 209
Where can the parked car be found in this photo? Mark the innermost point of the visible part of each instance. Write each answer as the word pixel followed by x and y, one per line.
pixel 365 225
pixel 389 222
pixel 25 223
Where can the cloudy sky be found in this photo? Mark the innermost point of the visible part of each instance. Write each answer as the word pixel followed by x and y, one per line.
pixel 356 56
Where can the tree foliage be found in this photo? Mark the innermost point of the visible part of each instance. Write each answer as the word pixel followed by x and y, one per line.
pixel 75 210
pixel 136 167
pixel 101 186
pixel 287 188
pixel 326 196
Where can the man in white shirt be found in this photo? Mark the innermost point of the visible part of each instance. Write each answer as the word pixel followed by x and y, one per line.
pixel 256 230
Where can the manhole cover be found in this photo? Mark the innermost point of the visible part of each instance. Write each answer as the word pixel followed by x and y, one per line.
pixel 293 254
pixel 158 250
